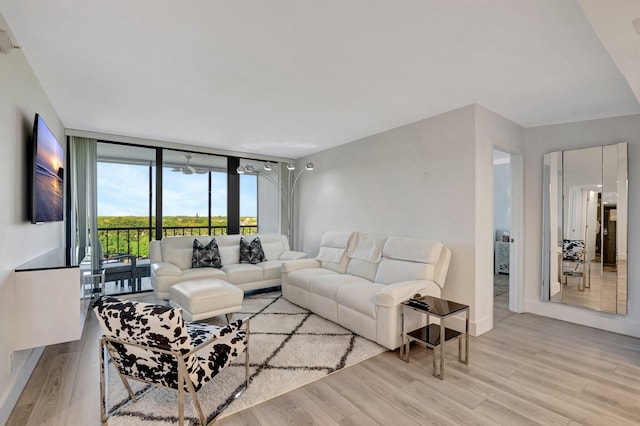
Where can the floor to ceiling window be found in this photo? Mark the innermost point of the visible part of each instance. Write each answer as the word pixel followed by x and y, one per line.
pixel 248 203
pixel 125 219
pixel 194 194
pixel 125 198
pixel 218 201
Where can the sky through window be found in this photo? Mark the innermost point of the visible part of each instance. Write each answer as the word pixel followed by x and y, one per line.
pixel 123 191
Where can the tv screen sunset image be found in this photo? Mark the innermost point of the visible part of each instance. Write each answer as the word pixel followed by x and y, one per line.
pixel 49 175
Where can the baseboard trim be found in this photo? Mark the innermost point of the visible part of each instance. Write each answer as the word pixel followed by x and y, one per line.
pixel 476 328
pixel 481 326
pixel 16 386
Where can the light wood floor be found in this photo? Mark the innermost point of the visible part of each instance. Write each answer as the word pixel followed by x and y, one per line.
pixel 527 370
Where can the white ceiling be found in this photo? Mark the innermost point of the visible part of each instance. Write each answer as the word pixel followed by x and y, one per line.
pixel 288 78
pixel 612 23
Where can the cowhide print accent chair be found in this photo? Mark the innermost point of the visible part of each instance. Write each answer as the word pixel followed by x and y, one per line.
pixel 153 344
pixel 574 263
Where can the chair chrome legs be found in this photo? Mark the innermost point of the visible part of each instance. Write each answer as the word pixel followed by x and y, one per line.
pixel 104 377
pixel 181 379
pixel 182 371
pixel 103 396
pixel 184 383
pixel 246 354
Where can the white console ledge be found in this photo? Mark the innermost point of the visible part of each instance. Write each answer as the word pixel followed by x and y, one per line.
pixel 47 301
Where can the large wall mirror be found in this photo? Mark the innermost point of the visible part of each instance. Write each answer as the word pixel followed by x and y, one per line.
pixel 584 259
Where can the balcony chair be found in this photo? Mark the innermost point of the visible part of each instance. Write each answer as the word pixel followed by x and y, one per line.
pixel 153 344
pixel 574 263
pixel 143 269
pixel 119 267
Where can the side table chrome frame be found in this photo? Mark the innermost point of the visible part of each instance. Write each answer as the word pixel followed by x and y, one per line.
pixel 405 343
pixel 90 277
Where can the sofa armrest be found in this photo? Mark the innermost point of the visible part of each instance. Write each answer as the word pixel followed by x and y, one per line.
pixel 294 265
pixel 165 269
pixel 292 255
pixel 396 293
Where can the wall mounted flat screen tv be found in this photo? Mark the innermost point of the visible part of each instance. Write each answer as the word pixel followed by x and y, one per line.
pixel 47 189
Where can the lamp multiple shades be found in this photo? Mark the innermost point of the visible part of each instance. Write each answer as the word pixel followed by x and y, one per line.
pixel 286 191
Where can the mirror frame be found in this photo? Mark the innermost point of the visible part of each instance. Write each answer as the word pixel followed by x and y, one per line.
pixel 553 206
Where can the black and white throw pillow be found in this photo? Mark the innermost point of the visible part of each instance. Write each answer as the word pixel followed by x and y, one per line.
pixel 257 251
pixel 206 256
pixel 251 252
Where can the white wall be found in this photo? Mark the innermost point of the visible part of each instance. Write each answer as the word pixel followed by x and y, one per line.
pixel 540 140
pixel 416 180
pixel 430 179
pixel 21 97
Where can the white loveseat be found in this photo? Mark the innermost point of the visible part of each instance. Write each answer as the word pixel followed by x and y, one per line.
pixel 171 262
pixel 358 280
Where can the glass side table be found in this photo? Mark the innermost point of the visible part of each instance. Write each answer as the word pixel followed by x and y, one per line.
pixel 431 335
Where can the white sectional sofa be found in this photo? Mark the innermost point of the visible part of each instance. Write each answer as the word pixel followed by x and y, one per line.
pixel 171 262
pixel 358 280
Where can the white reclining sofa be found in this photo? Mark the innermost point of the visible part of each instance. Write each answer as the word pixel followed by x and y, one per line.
pixel 171 257
pixel 359 280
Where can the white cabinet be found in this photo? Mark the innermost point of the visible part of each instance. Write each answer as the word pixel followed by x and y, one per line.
pixel 47 302
pixel 501 257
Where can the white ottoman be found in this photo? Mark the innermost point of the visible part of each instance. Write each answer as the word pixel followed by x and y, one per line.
pixel 205 298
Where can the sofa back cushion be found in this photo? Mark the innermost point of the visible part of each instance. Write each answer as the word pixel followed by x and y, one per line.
pixel 229 246
pixel 408 259
pixel 392 271
pixel 362 268
pixel 367 247
pixel 179 250
pixel 273 245
pixel 412 249
pixel 333 250
pixel 155 251
pixel 365 254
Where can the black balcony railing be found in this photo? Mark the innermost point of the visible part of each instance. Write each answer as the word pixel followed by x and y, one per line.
pixel 135 240
pixel 173 231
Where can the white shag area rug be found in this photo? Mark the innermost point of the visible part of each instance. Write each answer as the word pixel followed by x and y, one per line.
pixel 288 347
